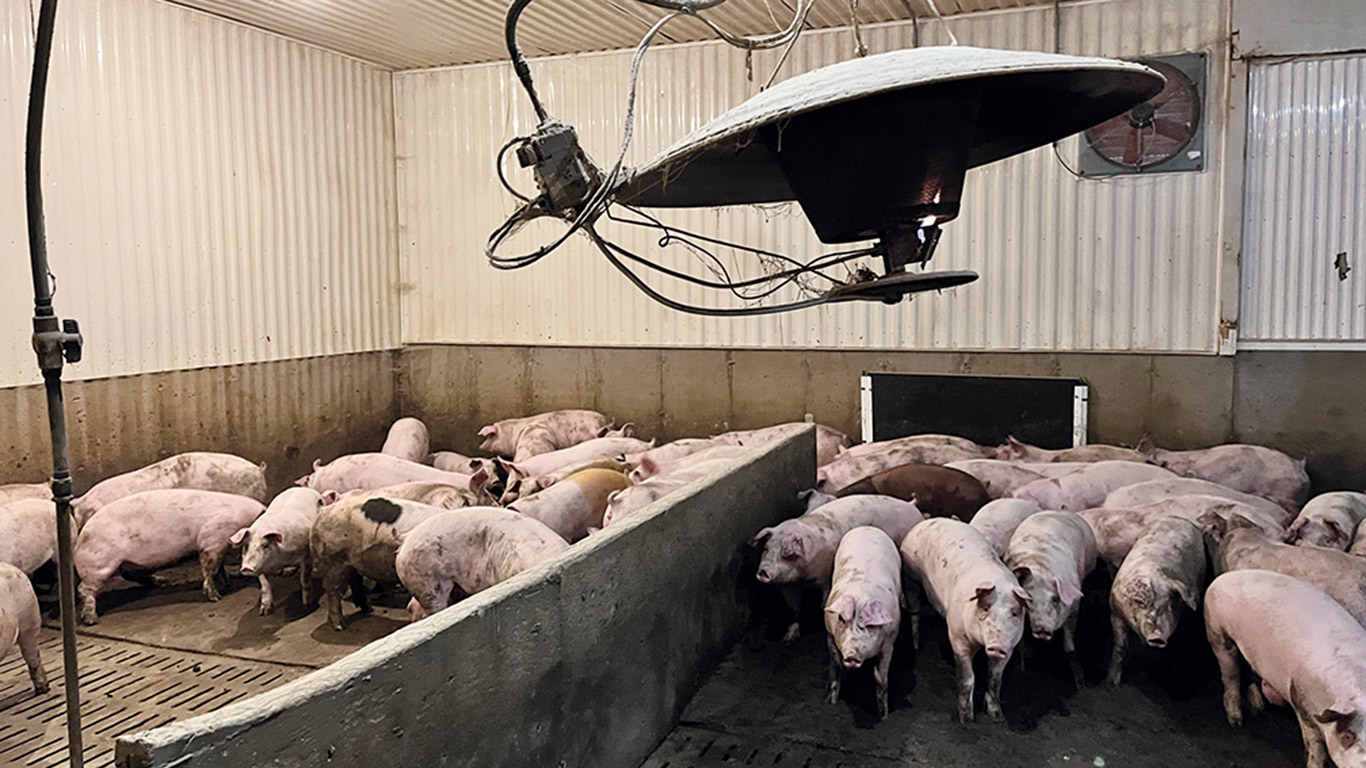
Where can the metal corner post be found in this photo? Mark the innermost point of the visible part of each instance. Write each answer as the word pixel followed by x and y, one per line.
pixel 55 342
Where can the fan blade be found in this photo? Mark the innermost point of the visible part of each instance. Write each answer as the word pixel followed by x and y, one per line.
pixel 1133 151
pixel 1173 129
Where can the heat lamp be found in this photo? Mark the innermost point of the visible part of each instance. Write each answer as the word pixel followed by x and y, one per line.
pixel 874 150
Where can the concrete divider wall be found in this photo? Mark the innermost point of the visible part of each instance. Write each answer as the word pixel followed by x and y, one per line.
pixel 584 662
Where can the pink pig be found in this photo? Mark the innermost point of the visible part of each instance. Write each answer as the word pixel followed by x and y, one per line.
pixel 20 623
pixel 1014 450
pixel 1087 488
pixel 575 506
pixel 1304 646
pixel 154 529
pixel 372 471
pixel 1000 478
pixel 829 442
pixel 219 472
pixel 9 493
pixel 529 436
pixel 868 459
pixel 998 520
pixel 408 439
pixel 1328 520
pixel 278 540
pixel 1165 568
pixel 649 467
pixel 863 611
pixel 1051 554
pixel 28 534
pixel 1139 494
pixel 976 594
pixel 465 551
pixel 448 461
pixel 588 450
pixel 1248 468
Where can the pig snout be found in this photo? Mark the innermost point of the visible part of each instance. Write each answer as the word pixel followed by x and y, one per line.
pixel 852 662
pixel 1156 640
pixel 1043 634
pixel 764 576
pixel 997 652
pixel 248 570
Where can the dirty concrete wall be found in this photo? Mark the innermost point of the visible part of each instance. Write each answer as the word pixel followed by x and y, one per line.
pixel 285 413
pixel 1300 402
pixel 585 662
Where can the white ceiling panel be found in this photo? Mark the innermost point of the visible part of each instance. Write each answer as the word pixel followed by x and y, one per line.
pixel 416 34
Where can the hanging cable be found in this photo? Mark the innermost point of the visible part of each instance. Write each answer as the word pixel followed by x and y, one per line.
pixel 953 39
pixel 1057 48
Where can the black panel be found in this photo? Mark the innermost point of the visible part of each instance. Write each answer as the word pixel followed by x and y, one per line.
pixel 981 408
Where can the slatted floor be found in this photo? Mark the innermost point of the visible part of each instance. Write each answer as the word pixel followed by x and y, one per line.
pixel 692 747
pixel 124 687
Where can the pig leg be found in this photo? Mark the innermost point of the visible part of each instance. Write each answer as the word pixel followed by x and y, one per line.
pixel 209 563
pixel 912 600
pixel 884 665
pixel 333 580
pixel 792 596
pixel 1315 749
pixel 1226 652
pixel 835 659
pixel 28 648
pixel 995 668
pixel 1255 701
pixel 1069 645
pixel 966 680
pixel 359 597
pixel 306 591
pixel 92 583
pixel 267 597
pixel 1121 632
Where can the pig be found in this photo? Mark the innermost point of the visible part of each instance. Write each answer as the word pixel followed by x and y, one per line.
pixel 979 598
pixel 648 467
pixel 1165 568
pixel 1148 492
pixel 408 440
pixel 863 611
pixel 432 494
pixel 20 623
pixel 800 552
pixel 1051 554
pixel 1000 478
pixel 624 503
pixel 1116 530
pixel 669 452
pixel 921 441
pixel 998 520
pixel 519 439
pixel 1055 468
pixel 813 498
pixel 871 458
pixel 1304 646
pixel 829 442
pixel 627 430
pixel 1358 547
pixel 154 529
pixel 1328 520
pixel 1250 469
pixel 358 538
pixel 574 506
pixel 465 551
pixel 519 487
pixel 9 493
pixel 1014 450
pixel 28 534
pixel 372 471
pixel 597 448
pixel 937 491
pixel 190 471
pixel 1087 488
pixel 278 540
pixel 1240 546
pixel 448 461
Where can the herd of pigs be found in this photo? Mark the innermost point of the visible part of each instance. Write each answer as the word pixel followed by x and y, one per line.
pixel 994 538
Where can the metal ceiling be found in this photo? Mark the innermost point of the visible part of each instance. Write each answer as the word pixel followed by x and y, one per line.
pixel 417 34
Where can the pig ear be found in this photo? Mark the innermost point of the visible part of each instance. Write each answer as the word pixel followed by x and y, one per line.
pixel 648 466
pixel 1022 595
pixel 330 497
pixel 1023 574
pixel 843 607
pixel 1067 591
pixel 240 536
pixel 874 614
pixel 1213 523
pixel 1292 534
pixel 1146 446
pixel 317 464
pixel 478 480
pixel 274 537
pixel 628 430
pixel 757 541
pixel 603 432
pixel 1187 595
pixel 982 594
pixel 1238 521
pixel 1334 529
pixel 1340 713
pixel 489 430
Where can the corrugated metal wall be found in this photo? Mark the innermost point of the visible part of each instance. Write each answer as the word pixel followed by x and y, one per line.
pixel 215 194
pixel 1125 264
pixel 1306 203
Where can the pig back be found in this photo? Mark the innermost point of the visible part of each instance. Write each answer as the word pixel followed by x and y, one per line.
pixel 997 520
pixel 937 491
pixel 1341 575
pixel 1139 494
pixel 893 516
pixel 364 533
pixel 1169 549
pixel 28 533
pixel 1062 541
pixel 950 558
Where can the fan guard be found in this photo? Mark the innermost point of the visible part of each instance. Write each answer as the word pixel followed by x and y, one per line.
pixel 1155 131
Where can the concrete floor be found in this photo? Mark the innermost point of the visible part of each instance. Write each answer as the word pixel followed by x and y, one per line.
pixel 176 615
pixel 765 704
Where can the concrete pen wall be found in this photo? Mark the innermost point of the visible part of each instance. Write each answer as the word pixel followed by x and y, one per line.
pixel 586 661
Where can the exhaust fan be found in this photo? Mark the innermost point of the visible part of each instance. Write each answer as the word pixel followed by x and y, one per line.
pixel 1161 135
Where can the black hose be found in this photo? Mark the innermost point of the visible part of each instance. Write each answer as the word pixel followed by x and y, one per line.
pixel 519 59
pixel 33 151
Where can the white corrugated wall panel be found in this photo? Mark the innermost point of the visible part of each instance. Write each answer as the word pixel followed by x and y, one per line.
pixel 1306 203
pixel 215 194
pixel 1124 264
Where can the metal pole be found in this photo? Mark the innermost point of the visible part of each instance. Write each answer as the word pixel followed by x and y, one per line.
pixel 54 342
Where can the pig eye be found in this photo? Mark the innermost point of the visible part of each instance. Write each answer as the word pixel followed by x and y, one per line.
pixel 1348 739
pixel 790 556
